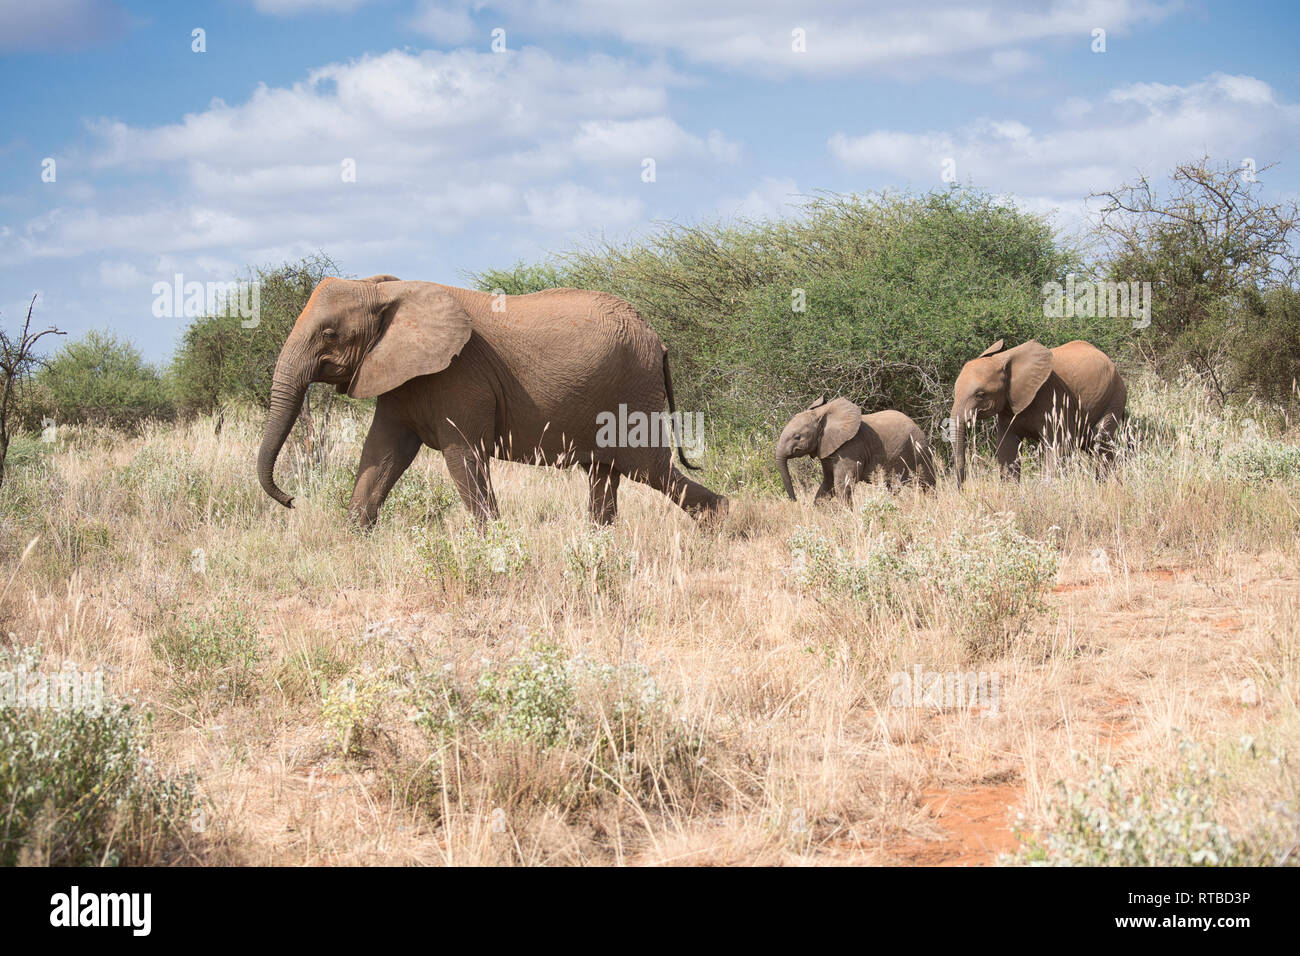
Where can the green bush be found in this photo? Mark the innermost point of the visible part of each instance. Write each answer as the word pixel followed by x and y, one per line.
pixel 986 580
pixel 530 699
pixel 1223 266
pixel 212 656
pixel 596 565
pixel 1265 354
pixel 1265 459
pixel 473 558
pixel 78 789
pixel 98 379
pixel 1107 822
pixel 898 291
pixel 520 279
pixel 350 708
pixel 614 715
pixel 420 498
pixel 221 362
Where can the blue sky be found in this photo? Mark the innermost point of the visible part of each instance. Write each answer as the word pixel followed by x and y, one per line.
pixel 173 161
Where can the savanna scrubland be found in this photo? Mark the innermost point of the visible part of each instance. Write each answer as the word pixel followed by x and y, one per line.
pixel 543 691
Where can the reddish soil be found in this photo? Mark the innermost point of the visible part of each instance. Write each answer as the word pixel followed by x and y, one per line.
pixel 977 825
pixel 1116 722
pixel 1167 574
pixel 1158 574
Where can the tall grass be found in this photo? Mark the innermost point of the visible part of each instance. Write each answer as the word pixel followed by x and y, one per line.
pixel 659 691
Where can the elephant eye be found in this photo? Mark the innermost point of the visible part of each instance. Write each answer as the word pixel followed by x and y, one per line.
pixel 329 333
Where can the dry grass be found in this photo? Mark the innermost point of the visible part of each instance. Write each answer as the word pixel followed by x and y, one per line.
pixel 662 693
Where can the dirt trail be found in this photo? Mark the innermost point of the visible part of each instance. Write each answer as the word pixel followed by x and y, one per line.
pixel 976 824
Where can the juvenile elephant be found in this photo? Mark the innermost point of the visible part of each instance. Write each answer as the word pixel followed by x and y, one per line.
pixel 477 376
pixel 852 446
pixel 1069 396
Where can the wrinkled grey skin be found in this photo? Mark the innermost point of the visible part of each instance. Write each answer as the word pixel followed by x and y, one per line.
pixel 853 447
pixel 1071 397
pixel 476 376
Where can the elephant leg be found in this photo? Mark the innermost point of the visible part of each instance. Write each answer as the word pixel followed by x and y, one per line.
pixel 923 473
pixel 469 470
pixel 827 489
pixel 846 474
pixel 691 496
pixel 603 479
pixel 1105 446
pixel 1008 455
pixel 389 449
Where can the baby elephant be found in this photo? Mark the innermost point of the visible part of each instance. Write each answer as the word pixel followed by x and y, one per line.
pixel 852 446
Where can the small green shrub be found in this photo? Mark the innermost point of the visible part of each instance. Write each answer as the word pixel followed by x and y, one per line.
pixel 420 498
pixel 878 505
pixel 1108 823
pixel 99 379
pixel 77 787
pixel 989 578
pixel 473 558
pixel 27 450
pixel 530 699
pixel 615 717
pixel 1266 459
pixel 212 656
pixel 594 563
pixel 350 707
pixel 159 474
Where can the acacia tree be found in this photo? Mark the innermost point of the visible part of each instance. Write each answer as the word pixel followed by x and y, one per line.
pixel 17 359
pixel 1214 252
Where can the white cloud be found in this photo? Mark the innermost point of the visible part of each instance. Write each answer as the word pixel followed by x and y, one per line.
pixel 288 8
pixel 1094 145
pixel 116 274
pixel 630 141
pixel 974 40
pixel 440 143
pixel 772 198
pixel 569 206
pixel 443 23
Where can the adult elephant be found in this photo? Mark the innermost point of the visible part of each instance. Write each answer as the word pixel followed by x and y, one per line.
pixel 477 376
pixel 1069 396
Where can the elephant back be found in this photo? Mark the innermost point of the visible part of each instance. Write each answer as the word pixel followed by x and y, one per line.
pixel 1092 377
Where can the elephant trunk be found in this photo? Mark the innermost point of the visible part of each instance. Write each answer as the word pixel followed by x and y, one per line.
pixel 783 466
pixel 288 389
pixel 959 446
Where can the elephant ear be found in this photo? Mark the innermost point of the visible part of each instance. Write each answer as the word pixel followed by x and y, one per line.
pixel 841 420
pixel 1028 366
pixel 424 328
pixel 993 349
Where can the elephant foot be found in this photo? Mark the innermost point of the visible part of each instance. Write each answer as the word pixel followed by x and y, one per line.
pixel 362 523
pixel 710 512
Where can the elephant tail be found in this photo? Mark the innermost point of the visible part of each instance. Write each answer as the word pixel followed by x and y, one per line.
pixel 672 411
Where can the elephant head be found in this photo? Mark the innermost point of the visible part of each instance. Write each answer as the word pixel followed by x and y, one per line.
pixel 365 337
pixel 998 382
pixel 818 431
